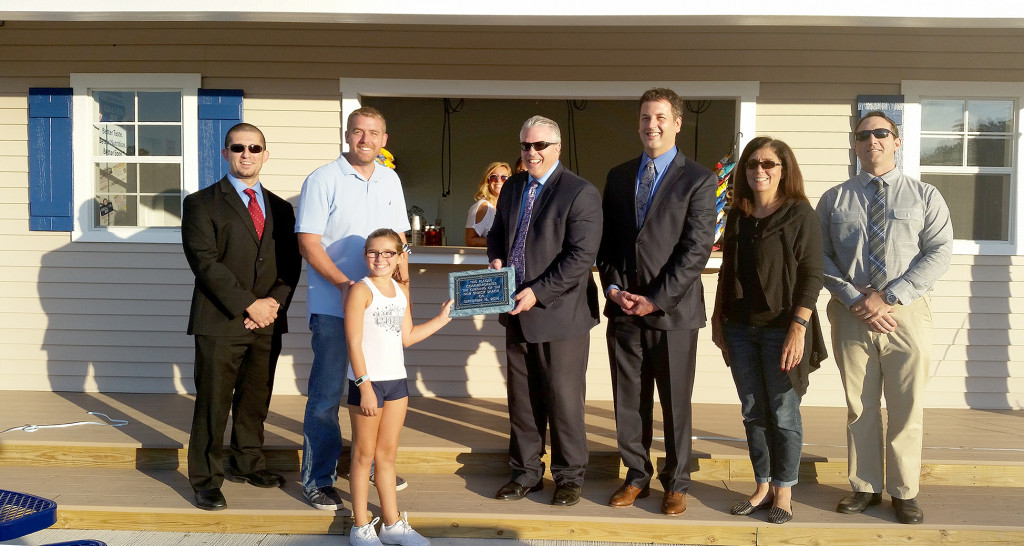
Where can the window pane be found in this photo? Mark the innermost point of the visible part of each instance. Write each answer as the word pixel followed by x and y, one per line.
pixel 990 116
pixel 160 140
pixel 159 106
pixel 942 151
pixel 160 210
pixel 979 204
pixel 942 115
pixel 113 140
pixel 111 209
pixel 989 152
pixel 160 178
pixel 116 178
pixel 114 105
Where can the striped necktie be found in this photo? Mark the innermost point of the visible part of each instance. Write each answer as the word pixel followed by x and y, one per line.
pixel 518 254
pixel 876 237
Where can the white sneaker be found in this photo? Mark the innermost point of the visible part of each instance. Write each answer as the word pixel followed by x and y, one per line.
pixel 401 533
pixel 365 535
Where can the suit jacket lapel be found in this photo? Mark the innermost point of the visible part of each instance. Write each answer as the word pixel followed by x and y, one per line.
pixel 268 220
pixel 240 208
pixel 545 195
pixel 673 176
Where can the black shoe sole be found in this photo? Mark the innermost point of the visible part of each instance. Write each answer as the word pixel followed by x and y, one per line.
pixel 242 479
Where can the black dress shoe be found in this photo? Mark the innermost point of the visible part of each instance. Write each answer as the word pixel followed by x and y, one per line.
pixel 907 510
pixel 745 507
pixel 857 502
pixel 260 478
pixel 779 516
pixel 567 494
pixel 514 490
pixel 211 499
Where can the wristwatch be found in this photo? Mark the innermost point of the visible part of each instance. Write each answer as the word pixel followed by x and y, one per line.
pixel 891 298
pixel 361 380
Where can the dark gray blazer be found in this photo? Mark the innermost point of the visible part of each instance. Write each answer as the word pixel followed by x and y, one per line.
pixel 561 245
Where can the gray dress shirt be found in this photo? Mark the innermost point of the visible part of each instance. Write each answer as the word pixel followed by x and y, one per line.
pixel 918 236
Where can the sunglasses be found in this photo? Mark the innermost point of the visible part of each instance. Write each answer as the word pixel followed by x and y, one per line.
pixel 386 254
pixel 497 177
pixel 525 146
pixel 877 133
pixel 767 164
pixel 239 148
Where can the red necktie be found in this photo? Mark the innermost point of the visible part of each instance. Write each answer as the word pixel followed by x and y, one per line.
pixel 255 212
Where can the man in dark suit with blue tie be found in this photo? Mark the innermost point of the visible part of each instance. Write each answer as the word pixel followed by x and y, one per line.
pixel 548 227
pixel 659 226
pixel 239 239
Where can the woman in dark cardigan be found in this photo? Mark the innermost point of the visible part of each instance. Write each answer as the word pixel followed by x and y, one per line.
pixel 765 320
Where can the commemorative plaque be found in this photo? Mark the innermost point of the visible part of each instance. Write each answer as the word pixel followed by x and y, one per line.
pixel 481 292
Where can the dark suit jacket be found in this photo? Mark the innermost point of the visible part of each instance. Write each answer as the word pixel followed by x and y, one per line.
pixel 233 267
pixel 561 245
pixel 665 258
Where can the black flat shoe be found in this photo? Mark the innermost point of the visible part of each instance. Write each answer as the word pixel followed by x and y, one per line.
pixel 567 494
pixel 260 478
pixel 514 490
pixel 779 516
pixel 907 511
pixel 857 502
pixel 211 499
pixel 744 508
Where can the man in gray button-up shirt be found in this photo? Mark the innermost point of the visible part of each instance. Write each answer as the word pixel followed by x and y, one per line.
pixel 882 334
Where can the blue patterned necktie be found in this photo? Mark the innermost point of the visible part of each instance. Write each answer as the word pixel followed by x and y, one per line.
pixel 876 237
pixel 643 193
pixel 517 256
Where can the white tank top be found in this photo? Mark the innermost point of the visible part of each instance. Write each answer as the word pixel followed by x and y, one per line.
pixel 382 335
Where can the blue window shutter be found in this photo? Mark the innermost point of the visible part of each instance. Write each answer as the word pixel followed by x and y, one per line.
pixel 50 170
pixel 219 110
pixel 890 105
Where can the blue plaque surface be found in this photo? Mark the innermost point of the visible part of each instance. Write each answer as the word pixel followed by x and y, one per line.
pixel 481 292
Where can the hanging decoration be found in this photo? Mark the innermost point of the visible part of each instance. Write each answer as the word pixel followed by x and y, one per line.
pixel 386 158
pixel 572 157
pixel 446 145
pixel 723 170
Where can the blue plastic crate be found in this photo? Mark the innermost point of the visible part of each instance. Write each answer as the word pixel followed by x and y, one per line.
pixel 21 514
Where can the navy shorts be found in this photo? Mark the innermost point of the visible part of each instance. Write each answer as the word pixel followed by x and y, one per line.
pixel 396 389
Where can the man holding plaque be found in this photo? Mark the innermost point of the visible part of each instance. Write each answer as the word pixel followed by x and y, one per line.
pixel 548 228
pixel 659 211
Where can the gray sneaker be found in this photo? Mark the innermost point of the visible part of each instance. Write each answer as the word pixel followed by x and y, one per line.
pixel 326 498
pixel 400 483
pixel 402 533
pixel 365 535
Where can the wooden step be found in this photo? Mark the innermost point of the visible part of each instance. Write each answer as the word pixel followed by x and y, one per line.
pixel 446 505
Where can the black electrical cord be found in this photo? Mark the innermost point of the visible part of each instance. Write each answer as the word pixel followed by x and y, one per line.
pixel 446 145
pixel 573 156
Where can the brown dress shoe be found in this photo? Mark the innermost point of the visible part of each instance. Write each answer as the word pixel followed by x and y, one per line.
pixel 674 503
pixel 625 496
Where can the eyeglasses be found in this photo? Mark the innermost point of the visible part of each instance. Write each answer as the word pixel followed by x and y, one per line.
pixel 877 133
pixel 497 177
pixel 387 254
pixel 767 164
pixel 525 146
pixel 239 148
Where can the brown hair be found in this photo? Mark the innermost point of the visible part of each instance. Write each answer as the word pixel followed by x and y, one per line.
pixel 369 112
pixel 879 114
pixel 483 191
pixel 791 185
pixel 662 93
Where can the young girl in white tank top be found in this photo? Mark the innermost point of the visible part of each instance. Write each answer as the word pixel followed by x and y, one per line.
pixel 378 324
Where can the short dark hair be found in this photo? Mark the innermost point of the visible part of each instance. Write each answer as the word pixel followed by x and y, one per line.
pixel 244 128
pixel 791 185
pixel 879 114
pixel 662 93
pixel 369 112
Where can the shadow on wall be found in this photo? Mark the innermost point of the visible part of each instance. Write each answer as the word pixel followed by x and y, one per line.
pixel 988 343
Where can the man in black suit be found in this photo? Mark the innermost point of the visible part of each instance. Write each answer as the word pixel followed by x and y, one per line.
pixel 239 240
pixel 548 227
pixel 659 226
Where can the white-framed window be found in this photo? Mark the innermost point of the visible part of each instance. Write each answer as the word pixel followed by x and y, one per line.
pixel 965 139
pixel 135 155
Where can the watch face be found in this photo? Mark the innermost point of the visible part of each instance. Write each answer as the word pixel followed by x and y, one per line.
pixel 890 298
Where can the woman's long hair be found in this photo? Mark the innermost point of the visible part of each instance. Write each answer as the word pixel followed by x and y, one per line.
pixel 791 185
pixel 483 191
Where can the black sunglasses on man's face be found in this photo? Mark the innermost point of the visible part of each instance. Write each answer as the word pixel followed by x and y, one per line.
pixel 239 148
pixel 877 133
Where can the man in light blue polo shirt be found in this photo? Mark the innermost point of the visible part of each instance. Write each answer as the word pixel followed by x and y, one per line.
pixel 341 203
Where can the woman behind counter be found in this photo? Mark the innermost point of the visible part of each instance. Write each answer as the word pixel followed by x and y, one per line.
pixel 764 319
pixel 481 213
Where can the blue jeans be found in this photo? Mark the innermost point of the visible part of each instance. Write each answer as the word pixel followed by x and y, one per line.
pixel 768 401
pixel 321 431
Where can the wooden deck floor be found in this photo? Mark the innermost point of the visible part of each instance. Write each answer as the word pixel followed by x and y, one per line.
pixel 454 456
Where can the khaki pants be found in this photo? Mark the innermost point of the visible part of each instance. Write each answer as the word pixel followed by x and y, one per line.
pixel 896 365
